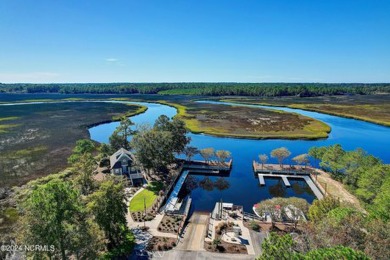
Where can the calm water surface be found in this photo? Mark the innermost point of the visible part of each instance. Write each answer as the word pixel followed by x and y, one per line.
pixel 243 186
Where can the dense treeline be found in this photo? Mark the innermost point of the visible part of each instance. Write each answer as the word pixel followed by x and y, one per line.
pixel 335 229
pixel 366 176
pixel 71 215
pixel 208 89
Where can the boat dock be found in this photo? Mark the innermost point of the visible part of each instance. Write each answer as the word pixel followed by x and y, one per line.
pixel 284 178
pixel 194 167
pixel 209 167
pixel 313 187
pixel 171 204
pixel 276 169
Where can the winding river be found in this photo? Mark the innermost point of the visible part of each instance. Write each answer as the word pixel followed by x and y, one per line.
pixel 244 188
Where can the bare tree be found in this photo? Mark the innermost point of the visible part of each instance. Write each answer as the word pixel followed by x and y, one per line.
pixel 190 151
pixel 280 153
pixel 222 155
pixel 207 154
pixel 263 159
pixel 302 159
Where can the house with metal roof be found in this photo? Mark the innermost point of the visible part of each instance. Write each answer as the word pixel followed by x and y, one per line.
pixel 123 162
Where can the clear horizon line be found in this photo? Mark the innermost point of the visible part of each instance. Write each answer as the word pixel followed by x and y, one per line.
pixel 185 82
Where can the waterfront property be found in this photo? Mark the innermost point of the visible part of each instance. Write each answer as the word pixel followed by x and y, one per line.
pixel 244 188
pixel 122 162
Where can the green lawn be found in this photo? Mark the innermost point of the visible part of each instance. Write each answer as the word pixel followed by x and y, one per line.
pixel 149 195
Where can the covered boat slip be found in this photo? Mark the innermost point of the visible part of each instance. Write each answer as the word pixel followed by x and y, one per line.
pixel 172 204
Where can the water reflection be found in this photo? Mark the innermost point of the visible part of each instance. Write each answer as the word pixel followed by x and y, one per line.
pixel 221 184
pixel 206 184
pixel 299 187
pixel 278 189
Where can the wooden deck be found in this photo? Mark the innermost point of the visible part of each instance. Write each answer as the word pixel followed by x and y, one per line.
pixel 211 167
pixel 276 169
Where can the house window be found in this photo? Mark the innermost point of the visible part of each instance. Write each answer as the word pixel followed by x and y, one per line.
pixel 124 162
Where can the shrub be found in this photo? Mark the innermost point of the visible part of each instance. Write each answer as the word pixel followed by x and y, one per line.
pixel 254 226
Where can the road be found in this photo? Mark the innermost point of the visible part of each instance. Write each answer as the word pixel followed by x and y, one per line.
pixel 198 255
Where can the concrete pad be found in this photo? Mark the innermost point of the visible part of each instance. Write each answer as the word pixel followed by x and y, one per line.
pixel 195 233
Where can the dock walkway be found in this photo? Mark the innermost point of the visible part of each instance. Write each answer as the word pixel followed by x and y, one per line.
pixel 286 182
pixel 313 187
pixel 284 178
pixel 173 197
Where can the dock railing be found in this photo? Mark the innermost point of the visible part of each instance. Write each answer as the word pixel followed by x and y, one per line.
pixel 313 176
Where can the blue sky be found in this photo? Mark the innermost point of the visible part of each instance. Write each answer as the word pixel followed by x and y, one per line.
pixel 194 41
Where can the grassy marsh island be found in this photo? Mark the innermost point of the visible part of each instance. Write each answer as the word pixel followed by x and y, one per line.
pixel 370 108
pixel 246 122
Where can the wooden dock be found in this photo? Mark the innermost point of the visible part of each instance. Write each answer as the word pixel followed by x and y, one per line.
pixel 211 167
pixel 275 168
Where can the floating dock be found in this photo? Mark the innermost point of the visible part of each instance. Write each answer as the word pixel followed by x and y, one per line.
pixel 286 182
pixel 284 178
pixel 261 179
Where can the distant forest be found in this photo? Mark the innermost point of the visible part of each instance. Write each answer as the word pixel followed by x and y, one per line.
pixel 207 89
